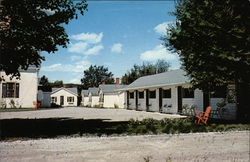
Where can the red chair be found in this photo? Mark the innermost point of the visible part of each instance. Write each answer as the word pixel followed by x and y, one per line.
pixel 202 117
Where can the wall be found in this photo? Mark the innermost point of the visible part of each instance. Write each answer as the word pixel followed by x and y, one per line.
pixel 154 102
pixel 169 105
pixel 132 102
pixel 95 101
pixel 44 98
pixel 142 101
pixel 121 100
pixel 28 86
pixel 110 100
pixel 66 94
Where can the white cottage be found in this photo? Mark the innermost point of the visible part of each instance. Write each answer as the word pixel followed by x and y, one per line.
pixel 85 97
pixel 169 92
pixel 15 93
pixel 93 97
pixel 64 96
pixel 109 96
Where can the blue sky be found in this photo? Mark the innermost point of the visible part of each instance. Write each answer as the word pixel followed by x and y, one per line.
pixel 116 34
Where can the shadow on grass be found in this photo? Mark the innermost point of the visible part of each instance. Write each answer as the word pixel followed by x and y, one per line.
pixel 54 127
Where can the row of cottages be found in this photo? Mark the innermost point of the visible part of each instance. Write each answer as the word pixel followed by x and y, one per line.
pixel 19 93
pixel 106 95
pixel 170 92
pixel 64 96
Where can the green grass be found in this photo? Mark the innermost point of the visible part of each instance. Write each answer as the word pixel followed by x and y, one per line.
pixel 60 127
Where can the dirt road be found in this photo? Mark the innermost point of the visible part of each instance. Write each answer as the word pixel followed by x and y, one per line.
pixel 227 146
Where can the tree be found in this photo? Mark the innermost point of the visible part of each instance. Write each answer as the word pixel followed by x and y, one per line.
pixel 145 69
pixel 212 39
pixel 28 27
pixel 96 75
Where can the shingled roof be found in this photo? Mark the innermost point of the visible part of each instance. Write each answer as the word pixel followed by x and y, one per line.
pixel 71 90
pixel 173 77
pixel 93 91
pixel 85 92
pixel 110 88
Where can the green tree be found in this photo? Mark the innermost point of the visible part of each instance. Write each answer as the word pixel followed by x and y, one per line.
pixel 145 69
pixel 28 27
pixel 96 75
pixel 212 39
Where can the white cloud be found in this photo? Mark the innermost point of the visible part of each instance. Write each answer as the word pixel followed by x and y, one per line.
pixel 88 37
pixel 116 48
pixel 51 67
pixel 74 58
pixel 79 66
pixel 94 50
pixel 162 28
pixel 78 47
pixel 87 43
pixel 159 52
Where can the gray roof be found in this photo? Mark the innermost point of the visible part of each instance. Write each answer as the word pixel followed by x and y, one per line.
pixel 93 91
pixel 71 90
pixel 85 92
pixel 110 88
pixel 173 77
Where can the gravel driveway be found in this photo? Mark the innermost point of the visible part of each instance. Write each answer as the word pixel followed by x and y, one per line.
pixel 87 113
pixel 228 146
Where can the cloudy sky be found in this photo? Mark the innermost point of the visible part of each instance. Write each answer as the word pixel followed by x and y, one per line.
pixel 116 34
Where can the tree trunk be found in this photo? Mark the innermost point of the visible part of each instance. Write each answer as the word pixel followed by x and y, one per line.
pixel 243 100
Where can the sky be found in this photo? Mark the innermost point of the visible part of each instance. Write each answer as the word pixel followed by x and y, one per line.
pixel 114 34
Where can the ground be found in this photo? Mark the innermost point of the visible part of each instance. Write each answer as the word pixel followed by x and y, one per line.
pixel 229 146
pixel 87 113
pixel 213 146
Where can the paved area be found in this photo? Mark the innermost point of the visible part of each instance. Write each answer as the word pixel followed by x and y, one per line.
pixel 87 113
pixel 227 146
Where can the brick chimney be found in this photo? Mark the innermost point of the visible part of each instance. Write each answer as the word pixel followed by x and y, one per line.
pixel 117 81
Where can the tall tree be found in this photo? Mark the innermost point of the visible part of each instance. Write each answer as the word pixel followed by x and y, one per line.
pixel 145 69
pixel 28 27
pixel 96 75
pixel 212 39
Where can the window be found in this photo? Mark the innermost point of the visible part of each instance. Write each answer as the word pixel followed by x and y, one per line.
pixel 167 93
pixel 141 94
pixel 54 99
pixel 131 95
pixel 220 92
pixel 10 90
pixel 152 94
pixel 70 99
pixel 188 93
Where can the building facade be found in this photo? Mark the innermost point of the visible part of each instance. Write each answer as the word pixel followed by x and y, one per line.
pixel 19 93
pixel 171 92
pixel 64 96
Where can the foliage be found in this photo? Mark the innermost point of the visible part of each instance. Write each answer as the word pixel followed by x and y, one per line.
pixel 212 39
pixel 96 75
pixel 55 127
pixel 54 105
pixel 145 69
pixel 29 27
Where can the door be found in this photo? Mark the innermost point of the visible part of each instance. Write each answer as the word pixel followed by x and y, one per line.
pixel 147 100
pixel 179 94
pixel 61 100
pixel 136 100
pixel 160 100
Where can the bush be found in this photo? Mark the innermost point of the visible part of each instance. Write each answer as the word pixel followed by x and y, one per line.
pixel 54 105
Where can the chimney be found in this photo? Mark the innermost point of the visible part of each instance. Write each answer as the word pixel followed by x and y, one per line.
pixel 117 80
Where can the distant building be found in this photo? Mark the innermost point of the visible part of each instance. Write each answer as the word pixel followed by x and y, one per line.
pixel 171 92
pixel 64 96
pixel 93 97
pixel 109 96
pixel 15 93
